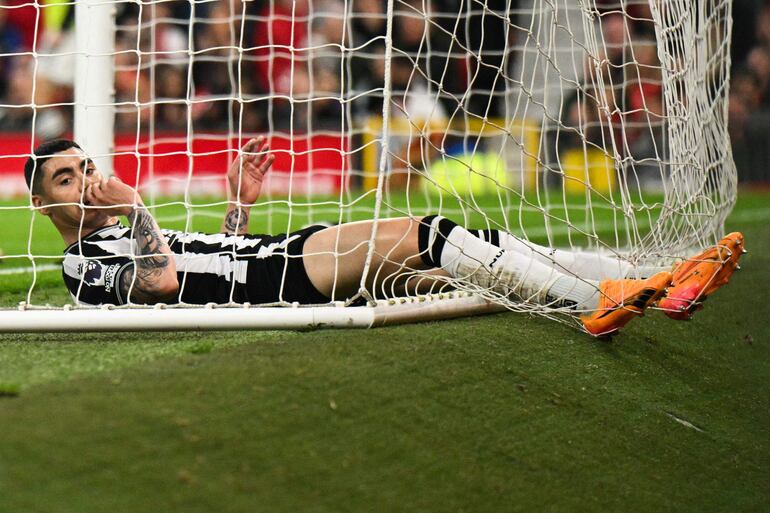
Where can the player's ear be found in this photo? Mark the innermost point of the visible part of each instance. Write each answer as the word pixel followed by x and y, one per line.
pixel 37 202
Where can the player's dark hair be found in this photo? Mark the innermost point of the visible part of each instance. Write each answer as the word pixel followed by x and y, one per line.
pixel 39 157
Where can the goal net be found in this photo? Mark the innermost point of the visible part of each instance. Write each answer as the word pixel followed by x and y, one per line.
pixel 593 126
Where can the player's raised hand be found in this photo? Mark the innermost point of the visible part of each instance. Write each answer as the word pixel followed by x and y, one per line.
pixel 247 172
pixel 113 193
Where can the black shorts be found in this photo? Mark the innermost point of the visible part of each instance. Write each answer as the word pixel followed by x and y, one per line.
pixel 282 275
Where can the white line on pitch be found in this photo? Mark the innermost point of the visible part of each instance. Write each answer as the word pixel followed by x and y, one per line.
pixel 685 423
pixel 25 270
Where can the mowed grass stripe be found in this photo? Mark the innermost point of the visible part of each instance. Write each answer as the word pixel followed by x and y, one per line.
pixel 745 212
pixel 22 230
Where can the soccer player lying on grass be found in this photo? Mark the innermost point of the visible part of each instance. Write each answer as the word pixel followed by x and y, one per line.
pixel 109 263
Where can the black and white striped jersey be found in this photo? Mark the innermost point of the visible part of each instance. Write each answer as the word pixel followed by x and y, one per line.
pixel 212 268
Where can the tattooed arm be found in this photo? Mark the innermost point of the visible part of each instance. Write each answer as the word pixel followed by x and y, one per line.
pixel 236 220
pixel 152 278
pixel 244 179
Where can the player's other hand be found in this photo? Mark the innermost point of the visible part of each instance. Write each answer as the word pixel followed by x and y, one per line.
pixel 113 193
pixel 246 173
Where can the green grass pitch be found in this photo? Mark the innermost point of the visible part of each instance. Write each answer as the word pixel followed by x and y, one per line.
pixel 490 414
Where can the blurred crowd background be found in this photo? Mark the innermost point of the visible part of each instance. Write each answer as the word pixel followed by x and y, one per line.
pixel 178 75
pixel 264 76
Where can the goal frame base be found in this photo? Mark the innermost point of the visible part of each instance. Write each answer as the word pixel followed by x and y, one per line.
pixel 212 318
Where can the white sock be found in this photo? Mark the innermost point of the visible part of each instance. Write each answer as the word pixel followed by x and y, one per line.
pixel 465 256
pixel 586 264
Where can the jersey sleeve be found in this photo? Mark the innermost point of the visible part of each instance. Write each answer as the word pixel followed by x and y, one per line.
pixel 95 280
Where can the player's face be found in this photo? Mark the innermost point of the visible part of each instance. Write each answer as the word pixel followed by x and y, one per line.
pixel 65 175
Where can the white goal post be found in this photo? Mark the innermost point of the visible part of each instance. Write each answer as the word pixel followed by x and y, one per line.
pixel 597 126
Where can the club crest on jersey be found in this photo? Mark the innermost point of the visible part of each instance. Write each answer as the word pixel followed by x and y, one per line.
pixel 91 271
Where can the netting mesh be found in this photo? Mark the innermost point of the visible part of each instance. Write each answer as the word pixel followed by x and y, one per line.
pixel 593 126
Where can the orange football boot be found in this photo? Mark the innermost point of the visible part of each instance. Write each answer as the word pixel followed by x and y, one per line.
pixel 700 276
pixel 622 300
